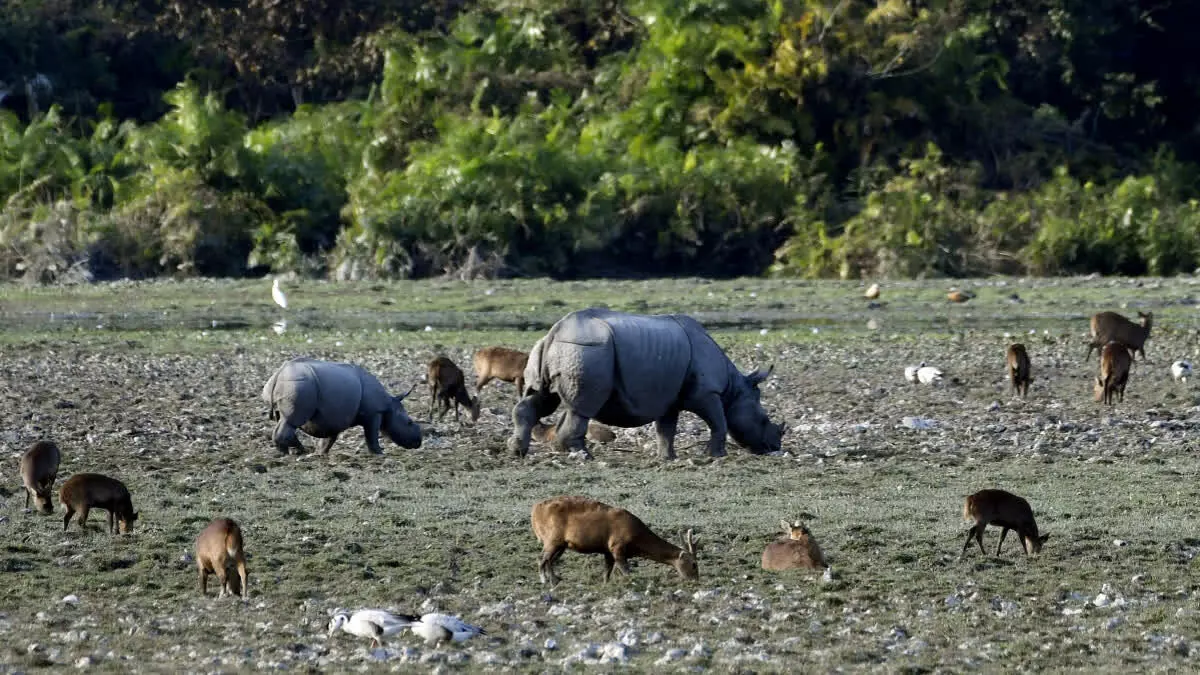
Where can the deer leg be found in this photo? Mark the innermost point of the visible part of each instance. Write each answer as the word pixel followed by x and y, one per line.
pixel 979 528
pixel 967 543
pixel 550 555
pixel 1003 534
pixel 203 581
pixel 242 576
pixel 609 561
pixel 67 517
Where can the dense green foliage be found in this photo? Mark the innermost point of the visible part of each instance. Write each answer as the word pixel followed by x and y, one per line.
pixel 571 138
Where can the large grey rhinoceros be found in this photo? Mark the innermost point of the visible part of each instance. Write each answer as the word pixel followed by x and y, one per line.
pixel 325 398
pixel 627 370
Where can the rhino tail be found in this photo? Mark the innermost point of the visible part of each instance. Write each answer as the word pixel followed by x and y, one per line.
pixel 535 374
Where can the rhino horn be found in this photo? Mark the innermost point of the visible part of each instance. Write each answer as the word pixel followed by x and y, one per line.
pixel 759 375
pixel 401 397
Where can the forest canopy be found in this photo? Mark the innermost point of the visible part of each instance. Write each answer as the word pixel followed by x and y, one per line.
pixel 577 138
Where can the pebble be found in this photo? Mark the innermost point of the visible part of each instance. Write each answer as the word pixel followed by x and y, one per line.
pixel 671 655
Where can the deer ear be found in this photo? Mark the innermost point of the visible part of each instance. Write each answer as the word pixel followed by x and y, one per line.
pixel 786 527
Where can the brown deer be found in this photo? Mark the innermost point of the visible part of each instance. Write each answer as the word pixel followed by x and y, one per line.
pixel 1115 360
pixel 446 384
pixel 85 491
pixel 588 526
pixel 1019 369
pixel 796 550
pixel 220 550
pixel 39 469
pixel 546 433
pixel 1112 327
pixel 500 363
pixel 1010 512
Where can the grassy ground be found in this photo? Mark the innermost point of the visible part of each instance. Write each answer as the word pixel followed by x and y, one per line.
pixel 134 380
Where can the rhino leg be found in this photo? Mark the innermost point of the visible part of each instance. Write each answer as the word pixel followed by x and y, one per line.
pixel 712 412
pixel 285 437
pixel 326 444
pixel 371 432
pixel 664 428
pixel 571 433
pixel 526 414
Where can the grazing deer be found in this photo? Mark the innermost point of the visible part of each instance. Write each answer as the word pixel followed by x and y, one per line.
pixel 39 469
pixel 446 384
pixel 85 491
pixel 1010 512
pixel 588 526
pixel 220 550
pixel 1115 360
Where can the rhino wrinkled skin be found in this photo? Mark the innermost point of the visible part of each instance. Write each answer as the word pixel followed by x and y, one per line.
pixel 627 370
pixel 324 398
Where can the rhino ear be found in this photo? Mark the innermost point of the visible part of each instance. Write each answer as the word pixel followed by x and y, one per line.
pixel 753 379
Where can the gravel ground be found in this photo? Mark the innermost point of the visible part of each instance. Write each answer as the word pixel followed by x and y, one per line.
pixel 876 466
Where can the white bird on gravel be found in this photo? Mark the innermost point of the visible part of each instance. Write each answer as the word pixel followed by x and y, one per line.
pixel 1181 370
pixel 928 374
pixel 910 373
pixel 439 628
pixel 370 623
pixel 277 294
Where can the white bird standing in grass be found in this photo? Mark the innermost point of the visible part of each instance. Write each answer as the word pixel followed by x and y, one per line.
pixel 1181 370
pixel 370 623
pixel 910 373
pixel 440 628
pixel 277 294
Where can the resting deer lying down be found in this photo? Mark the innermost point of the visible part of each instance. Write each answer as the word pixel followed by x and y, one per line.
pixel 588 526
pixel 796 550
pixel 546 433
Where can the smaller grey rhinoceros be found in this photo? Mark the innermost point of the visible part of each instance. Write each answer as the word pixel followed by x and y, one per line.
pixel 324 399
pixel 626 370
